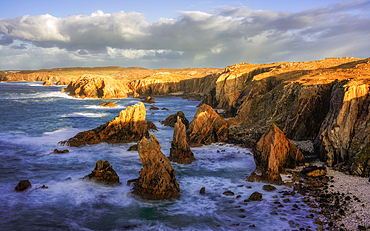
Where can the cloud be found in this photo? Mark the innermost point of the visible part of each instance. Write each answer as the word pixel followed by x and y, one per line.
pixel 223 37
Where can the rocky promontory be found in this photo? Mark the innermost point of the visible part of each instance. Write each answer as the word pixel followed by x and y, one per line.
pixel 180 150
pixel 129 126
pixel 157 179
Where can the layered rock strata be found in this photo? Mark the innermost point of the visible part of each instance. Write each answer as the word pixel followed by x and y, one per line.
pixel 180 150
pixel 207 127
pixel 171 120
pixel 273 154
pixel 129 126
pixel 157 179
pixel 103 173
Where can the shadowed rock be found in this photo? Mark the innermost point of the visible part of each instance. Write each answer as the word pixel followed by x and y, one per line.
pixel 157 179
pixel 180 150
pixel 103 173
pixel 110 104
pixel 172 119
pixel 207 127
pixel 129 126
pixel 273 153
pixel 149 100
pixel 23 185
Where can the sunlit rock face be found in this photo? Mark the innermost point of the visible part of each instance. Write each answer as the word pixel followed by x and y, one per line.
pixel 273 154
pixel 207 127
pixel 157 179
pixel 129 126
pixel 180 150
pixel 97 87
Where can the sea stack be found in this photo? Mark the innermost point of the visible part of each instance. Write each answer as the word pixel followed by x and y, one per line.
pixel 273 154
pixel 180 150
pixel 157 179
pixel 129 126
pixel 103 173
pixel 207 127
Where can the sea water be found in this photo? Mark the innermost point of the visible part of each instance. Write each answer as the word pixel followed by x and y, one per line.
pixel 34 118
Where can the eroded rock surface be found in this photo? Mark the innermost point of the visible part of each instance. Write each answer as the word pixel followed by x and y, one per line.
pixel 273 154
pixel 129 126
pixel 180 150
pixel 207 127
pixel 103 173
pixel 157 179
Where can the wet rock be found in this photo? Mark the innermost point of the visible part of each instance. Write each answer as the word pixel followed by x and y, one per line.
pixel 152 108
pixel 110 104
pixel 268 188
pixel 202 190
pixel 274 153
pixel 103 173
pixel 61 151
pixel 171 120
pixel 207 127
pixel 180 150
pixel 228 193
pixel 23 185
pixel 165 109
pixel 129 126
pixel 157 179
pixel 133 148
pixel 286 200
pixel 130 182
pixel 149 99
pixel 256 196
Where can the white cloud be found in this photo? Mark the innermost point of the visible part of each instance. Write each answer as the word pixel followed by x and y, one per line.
pixel 226 36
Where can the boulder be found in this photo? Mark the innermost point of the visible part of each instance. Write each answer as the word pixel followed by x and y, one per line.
pixel 129 126
pixel 256 196
pixel 172 119
pixel 61 151
pixel 180 150
pixel 157 179
pixel 133 148
pixel 314 171
pixel 23 185
pixel 273 154
pixel 149 100
pixel 110 104
pixel 207 127
pixel 152 108
pixel 103 173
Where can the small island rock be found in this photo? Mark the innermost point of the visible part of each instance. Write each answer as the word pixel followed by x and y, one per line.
pixel 180 150
pixel 103 173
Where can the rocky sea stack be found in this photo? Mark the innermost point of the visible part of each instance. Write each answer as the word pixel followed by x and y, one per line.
pixel 273 154
pixel 207 127
pixel 157 179
pixel 103 173
pixel 129 126
pixel 180 150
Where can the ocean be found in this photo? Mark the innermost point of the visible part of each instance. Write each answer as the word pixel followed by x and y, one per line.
pixel 34 118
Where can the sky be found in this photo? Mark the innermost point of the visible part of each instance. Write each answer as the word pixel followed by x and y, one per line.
pixel 179 34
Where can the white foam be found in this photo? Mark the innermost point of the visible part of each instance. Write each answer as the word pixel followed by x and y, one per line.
pixel 84 115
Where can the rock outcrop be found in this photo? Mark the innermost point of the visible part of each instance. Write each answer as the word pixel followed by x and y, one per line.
pixel 103 173
pixel 97 87
pixel 129 126
pixel 180 150
pixel 23 185
pixel 171 120
pixel 149 99
pixel 344 138
pixel 110 104
pixel 273 154
pixel 48 83
pixel 157 179
pixel 207 127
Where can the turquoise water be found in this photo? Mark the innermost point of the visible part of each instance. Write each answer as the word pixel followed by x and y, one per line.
pixel 34 118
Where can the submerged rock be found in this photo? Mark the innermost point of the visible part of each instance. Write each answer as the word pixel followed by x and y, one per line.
pixel 129 126
pixel 273 153
pixel 103 173
pixel 172 119
pixel 207 127
pixel 157 179
pixel 23 185
pixel 180 150
pixel 61 151
pixel 149 100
